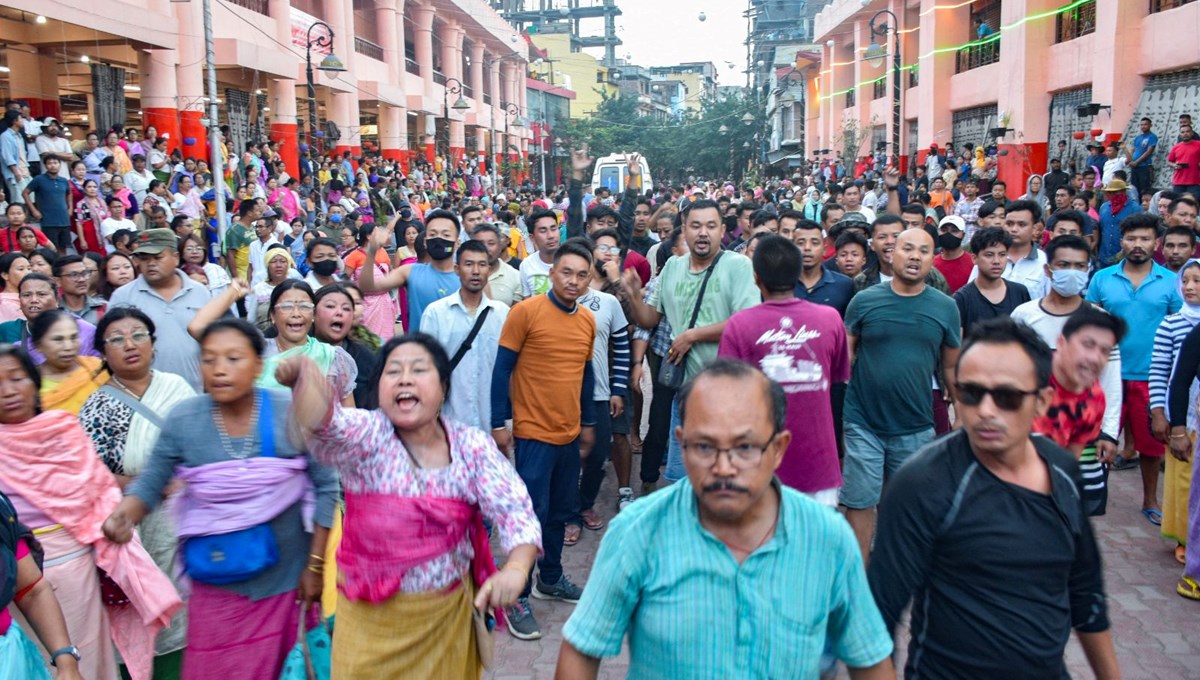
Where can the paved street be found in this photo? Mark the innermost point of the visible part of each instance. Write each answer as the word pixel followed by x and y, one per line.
pixel 1155 629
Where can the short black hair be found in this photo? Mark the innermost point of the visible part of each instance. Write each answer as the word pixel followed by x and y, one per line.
pixel 1003 330
pixel 312 245
pixel 1084 222
pixel 989 237
pixel 246 207
pixel 777 263
pixel 1182 231
pixel 827 207
pixel 439 213
pixel 1032 206
pixel 736 368
pixel 761 217
pixel 467 210
pixel 743 207
pixel 1068 242
pixel 540 214
pixel 441 363
pixel 600 212
pixel 578 246
pixel 1090 315
pixel 1067 188
pixel 913 209
pixel 848 237
pixel 247 329
pixel 803 224
pixel 470 246
pixel 1181 200
pixel 610 233
pixel 1139 221
pixel 885 219
pixel 61 263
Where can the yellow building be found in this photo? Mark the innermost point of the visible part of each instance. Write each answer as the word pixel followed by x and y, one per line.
pixel 699 79
pixel 576 71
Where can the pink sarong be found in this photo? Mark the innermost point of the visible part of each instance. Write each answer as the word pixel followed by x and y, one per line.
pixel 231 636
pixel 50 461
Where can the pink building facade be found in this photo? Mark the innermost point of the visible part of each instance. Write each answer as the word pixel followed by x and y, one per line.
pixel 1017 82
pixel 399 55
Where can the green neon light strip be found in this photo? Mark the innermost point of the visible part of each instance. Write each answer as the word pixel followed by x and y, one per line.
pixel 973 43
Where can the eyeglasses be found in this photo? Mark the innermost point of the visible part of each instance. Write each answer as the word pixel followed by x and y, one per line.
pixel 742 455
pixel 193 249
pixel 1005 398
pixel 138 338
pixel 609 249
pixel 289 307
pixel 76 275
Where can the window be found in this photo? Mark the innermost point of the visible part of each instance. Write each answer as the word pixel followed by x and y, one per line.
pixel 879 88
pixel 850 98
pixel 984 37
pixel 1075 22
pixel 1164 5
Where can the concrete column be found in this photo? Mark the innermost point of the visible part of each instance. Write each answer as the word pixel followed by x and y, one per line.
pixel 189 79
pixel 1021 91
pixel 430 123
pixel 452 46
pixel 479 88
pixel 388 16
pixel 392 131
pixel 423 44
pixel 159 107
pixel 1117 82
pixel 27 77
pixel 284 131
pixel 939 27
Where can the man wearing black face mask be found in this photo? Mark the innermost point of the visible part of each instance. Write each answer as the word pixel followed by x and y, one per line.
pixel 424 283
pixel 406 219
pixel 952 261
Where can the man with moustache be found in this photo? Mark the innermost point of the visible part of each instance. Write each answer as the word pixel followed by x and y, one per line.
pixel 898 334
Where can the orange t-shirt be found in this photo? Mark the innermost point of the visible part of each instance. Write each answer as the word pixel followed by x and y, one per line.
pixel 554 347
pixel 354 261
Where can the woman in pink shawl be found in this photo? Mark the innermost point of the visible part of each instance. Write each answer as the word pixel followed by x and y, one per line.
pixel 60 488
pixel 414 565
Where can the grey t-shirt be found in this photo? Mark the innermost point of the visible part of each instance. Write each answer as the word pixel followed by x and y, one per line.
pixel 610 319
pixel 175 350
pixel 190 439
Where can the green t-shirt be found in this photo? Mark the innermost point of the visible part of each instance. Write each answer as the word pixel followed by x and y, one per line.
pixel 900 341
pixel 731 289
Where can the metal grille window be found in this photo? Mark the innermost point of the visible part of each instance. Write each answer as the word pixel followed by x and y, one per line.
pixel 850 98
pixel 1064 123
pixel 1075 22
pixel 1164 5
pixel 879 88
pixel 913 76
pixel 1164 97
pixel 985 34
pixel 972 125
pixel 975 56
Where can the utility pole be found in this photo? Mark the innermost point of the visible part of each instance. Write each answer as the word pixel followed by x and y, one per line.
pixel 214 128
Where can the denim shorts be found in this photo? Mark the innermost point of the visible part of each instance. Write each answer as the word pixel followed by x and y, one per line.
pixel 871 458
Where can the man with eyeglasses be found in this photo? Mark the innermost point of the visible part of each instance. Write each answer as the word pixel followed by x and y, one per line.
pixel 170 298
pixel 73 275
pixel 986 529
pixel 37 294
pixel 784 569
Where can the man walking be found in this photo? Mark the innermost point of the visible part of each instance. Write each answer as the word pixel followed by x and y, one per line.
pixel 468 314
pixel 784 569
pixel 503 279
pixel 423 282
pixel 898 334
pixel 543 380
pixel 986 529
pixel 989 295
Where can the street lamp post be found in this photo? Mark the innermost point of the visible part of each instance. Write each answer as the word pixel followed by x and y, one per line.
pixel 874 56
pixel 453 86
pixel 330 64
pixel 510 109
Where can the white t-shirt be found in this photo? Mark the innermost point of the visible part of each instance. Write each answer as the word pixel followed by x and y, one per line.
pixel 110 226
pixel 610 319
pixel 535 276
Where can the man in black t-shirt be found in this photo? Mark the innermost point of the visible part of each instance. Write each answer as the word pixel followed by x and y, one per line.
pixel 985 530
pixel 989 295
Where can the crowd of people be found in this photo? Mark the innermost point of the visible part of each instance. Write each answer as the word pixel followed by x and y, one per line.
pixel 851 391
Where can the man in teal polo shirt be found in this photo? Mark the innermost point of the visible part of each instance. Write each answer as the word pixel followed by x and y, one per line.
pixel 1142 293
pixel 741 577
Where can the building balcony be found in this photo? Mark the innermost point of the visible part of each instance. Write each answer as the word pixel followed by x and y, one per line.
pixel 977 55
pixel 851 98
pixel 439 77
pixel 411 66
pixel 879 88
pixel 1160 5
pixel 1075 23
pixel 914 76
pixel 368 49
pixel 259 6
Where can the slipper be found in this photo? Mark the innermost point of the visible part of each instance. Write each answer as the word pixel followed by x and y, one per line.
pixel 1123 463
pixel 1153 516
pixel 571 534
pixel 1181 554
pixel 1188 588
pixel 592 521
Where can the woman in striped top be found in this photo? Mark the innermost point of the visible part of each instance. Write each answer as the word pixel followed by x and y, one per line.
pixel 1167 342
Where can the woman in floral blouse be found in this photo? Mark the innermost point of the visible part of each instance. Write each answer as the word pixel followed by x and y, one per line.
pixel 414 561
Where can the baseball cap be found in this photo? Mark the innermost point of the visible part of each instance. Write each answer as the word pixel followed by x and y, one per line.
pixel 269 213
pixel 854 219
pixel 959 223
pixel 154 241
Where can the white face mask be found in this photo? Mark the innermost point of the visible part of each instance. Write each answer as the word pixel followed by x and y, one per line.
pixel 1068 282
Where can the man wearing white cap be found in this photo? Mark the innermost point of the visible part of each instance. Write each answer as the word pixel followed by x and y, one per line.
pixel 952 261
pixel 51 142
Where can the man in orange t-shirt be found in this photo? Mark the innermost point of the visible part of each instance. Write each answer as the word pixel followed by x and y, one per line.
pixel 543 380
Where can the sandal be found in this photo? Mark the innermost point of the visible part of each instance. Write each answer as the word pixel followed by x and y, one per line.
pixel 1123 463
pixel 1188 588
pixel 571 534
pixel 1181 554
pixel 592 521
pixel 1153 516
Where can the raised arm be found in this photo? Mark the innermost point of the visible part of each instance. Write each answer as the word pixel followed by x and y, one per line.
pixel 633 189
pixel 581 160
pixel 396 278
pixel 217 307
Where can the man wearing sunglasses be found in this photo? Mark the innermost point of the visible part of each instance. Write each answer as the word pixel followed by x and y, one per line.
pixel 988 526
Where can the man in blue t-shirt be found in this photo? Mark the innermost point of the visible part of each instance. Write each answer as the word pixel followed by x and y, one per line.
pixel 1142 161
pixel 424 283
pixel 51 205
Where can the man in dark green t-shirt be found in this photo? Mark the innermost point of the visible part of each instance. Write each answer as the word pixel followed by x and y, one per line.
pixel 899 331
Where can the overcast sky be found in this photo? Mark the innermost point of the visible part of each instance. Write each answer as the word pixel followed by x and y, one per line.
pixel 666 32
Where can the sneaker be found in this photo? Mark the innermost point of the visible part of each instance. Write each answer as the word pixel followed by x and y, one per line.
pixel 564 590
pixel 521 623
pixel 624 498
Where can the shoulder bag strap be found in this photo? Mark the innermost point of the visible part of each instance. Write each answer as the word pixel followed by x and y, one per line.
pixel 266 424
pixel 466 345
pixel 137 406
pixel 703 287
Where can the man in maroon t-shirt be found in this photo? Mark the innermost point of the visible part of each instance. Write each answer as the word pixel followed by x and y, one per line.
pixel 953 262
pixel 802 346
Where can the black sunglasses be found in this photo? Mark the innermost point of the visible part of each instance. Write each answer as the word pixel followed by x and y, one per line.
pixel 1005 398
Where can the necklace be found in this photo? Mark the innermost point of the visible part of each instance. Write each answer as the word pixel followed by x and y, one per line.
pixel 761 543
pixel 123 387
pixel 247 442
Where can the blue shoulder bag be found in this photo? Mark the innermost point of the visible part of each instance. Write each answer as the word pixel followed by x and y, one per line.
pixel 240 555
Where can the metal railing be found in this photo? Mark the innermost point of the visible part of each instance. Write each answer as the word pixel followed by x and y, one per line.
pixel 1075 23
pixel 851 98
pixel 439 77
pixel 259 6
pixel 487 97
pixel 468 91
pixel 412 66
pixel 879 88
pixel 1164 5
pixel 368 49
pixel 975 56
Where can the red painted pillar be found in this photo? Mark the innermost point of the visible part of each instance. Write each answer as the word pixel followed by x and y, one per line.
pixel 1020 161
pixel 195 137
pixel 166 121
pixel 287 137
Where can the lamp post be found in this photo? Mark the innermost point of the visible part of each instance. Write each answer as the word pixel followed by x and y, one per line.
pixel 510 109
pixel 330 64
pixel 453 86
pixel 874 56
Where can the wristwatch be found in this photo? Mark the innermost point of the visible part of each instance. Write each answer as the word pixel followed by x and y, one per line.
pixel 72 650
